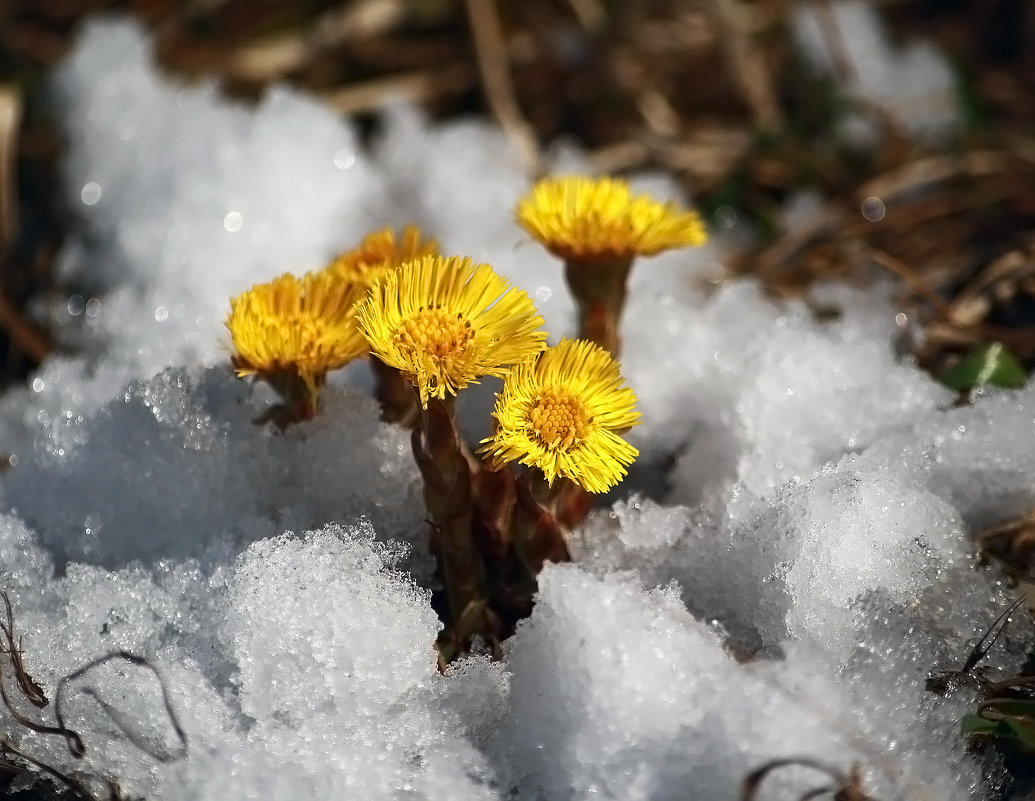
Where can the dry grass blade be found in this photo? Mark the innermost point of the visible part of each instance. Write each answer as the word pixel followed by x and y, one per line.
pixel 916 281
pixel 943 683
pixel 272 57
pixel 591 14
pixel 414 86
pixel 29 687
pixel 785 249
pixel 999 279
pixel 10 120
pixel 927 172
pixel 72 738
pixel 499 89
pixel 25 334
pixel 747 64
pixel 138 661
pixel 835 40
pixel 35 695
pixel 846 788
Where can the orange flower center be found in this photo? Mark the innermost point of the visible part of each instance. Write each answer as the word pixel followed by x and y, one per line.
pixel 435 332
pixel 558 420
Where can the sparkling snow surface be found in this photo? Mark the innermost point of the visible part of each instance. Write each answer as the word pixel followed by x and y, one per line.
pixel 787 562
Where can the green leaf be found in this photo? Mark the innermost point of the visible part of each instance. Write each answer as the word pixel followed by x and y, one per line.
pixel 973 724
pixel 991 363
pixel 1006 719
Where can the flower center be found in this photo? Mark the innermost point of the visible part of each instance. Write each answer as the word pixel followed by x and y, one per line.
pixel 435 332
pixel 558 420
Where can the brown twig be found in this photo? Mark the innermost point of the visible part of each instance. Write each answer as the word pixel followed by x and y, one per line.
pixel 591 14
pixel 491 50
pixel 831 31
pixel 847 787
pixel 272 57
pixel 23 333
pixel 138 661
pixel 973 301
pixel 10 116
pixel 26 683
pixel 418 86
pixel 747 65
pixel 916 281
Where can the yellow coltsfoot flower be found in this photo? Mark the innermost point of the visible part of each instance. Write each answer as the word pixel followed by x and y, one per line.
pixel 295 328
pixel 444 323
pixel 598 227
pixel 564 413
pixel 380 252
pixel 599 219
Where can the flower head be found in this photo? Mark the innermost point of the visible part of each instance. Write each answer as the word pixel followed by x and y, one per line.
pixel 445 323
pixel 380 252
pixel 301 326
pixel 564 413
pixel 589 219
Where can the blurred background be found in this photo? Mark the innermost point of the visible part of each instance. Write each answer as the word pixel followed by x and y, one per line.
pixel 903 127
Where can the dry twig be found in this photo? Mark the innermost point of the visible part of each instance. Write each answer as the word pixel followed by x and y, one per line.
pixel 846 787
pixel 10 116
pixel 747 65
pixel 499 89
pixel 418 86
pixel 271 57
pixel 23 333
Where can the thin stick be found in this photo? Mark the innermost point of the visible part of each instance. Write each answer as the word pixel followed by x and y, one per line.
pixel 26 683
pixel 591 14
pixel 10 115
pixel 23 333
pixel 747 64
pixel 491 50
pixel 272 57
pixel 419 86
pixel 76 745
pixel 899 268
pixel 831 31
pixel 750 784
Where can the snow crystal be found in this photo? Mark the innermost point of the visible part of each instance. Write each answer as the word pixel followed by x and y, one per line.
pixel 174 466
pixel 192 199
pixel 619 693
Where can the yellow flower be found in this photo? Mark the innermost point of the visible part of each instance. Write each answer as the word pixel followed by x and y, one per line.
pixel 564 413
pixel 301 326
pixel 445 323
pixel 380 252
pixel 589 219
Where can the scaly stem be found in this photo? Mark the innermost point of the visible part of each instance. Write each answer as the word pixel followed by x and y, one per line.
pixel 599 290
pixel 300 399
pixel 447 496
pixel 537 533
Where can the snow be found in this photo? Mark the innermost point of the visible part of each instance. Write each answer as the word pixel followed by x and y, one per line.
pixel 913 85
pixel 783 568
